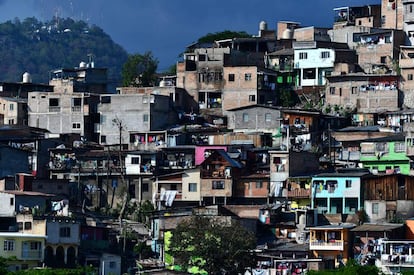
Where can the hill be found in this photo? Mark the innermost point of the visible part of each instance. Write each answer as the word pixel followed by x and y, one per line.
pixel 39 47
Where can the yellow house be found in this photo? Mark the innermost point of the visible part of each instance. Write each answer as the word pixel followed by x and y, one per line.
pixel 26 250
pixel 332 243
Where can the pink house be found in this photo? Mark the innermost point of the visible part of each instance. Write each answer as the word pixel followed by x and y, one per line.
pixel 203 152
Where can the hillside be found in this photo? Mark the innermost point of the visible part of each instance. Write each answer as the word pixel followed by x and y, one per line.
pixel 39 47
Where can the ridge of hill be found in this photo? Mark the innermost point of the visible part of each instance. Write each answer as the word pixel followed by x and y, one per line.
pixel 39 47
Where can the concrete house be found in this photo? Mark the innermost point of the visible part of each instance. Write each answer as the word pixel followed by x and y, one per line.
pixel 338 193
pixel 133 113
pixel 26 250
pixel 260 119
pixel 13 111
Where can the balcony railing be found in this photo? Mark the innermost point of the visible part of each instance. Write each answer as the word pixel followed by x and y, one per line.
pixel 331 245
pixel 397 260
pixel 31 254
pixel 54 109
pixel 299 193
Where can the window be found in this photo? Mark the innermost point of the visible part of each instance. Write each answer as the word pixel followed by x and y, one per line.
pixel 245 117
pixel 348 183
pixel 8 245
pixel 268 117
pixel 202 57
pixel 103 139
pixel 105 99
pixel 76 101
pixel 217 184
pixel 354 90
pixel 20 225
pixel 192 187
pixel 383 59
pixel 11 121
pixel 259 184
pixel 11 201
pixel 332 90
pixel 64 232
pixel 331 185
pixel 145 118
pixel 399 147
pixel 231 77
pixel 35 246
pixel 145 99
pixel 375 208
pixel 76 125
pixel 248 77
pixel 76 104
pixel 303 55
pixel 410 76
pixel 325 55
pixel 135 160
pixel 145 187
pixel 11 106
pixel 28 225
pixel 252 98
pixel 309 73
pixel 112 264
pixel 54 102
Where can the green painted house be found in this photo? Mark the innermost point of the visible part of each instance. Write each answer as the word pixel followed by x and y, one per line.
pixel 385 155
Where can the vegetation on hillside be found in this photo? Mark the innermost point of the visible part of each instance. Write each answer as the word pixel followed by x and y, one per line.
pixel 39 47
pixel 212 245
pixel 211 37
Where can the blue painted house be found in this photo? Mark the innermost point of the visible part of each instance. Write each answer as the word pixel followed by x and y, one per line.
pixel 338 193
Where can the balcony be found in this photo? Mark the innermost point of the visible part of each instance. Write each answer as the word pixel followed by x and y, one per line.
pixel 397 260
pixel 54 109
pixel 331 245
pixel 76 109
pixel 299 193
pixel 28 254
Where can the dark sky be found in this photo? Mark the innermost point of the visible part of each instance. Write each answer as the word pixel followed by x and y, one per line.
pixel 166 27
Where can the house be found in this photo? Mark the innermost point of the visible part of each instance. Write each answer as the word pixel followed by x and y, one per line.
pixel 26 250
pixel 385 155
pixel 290 175
pixel 18 201
pixel 313 62
pixel 378 49
pixel 219 173
pixel 366 94
pixel 338 193
pixel 388 197
pixel 63 242
pixel 369 236
pixel 64 111
pixel 333 243
pixel 181 188
pixel 396 256
pixel 260 119
pixel 128 118
pixel 139 168
pixel 14 111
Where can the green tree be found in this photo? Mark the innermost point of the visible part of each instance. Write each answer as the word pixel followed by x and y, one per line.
pixel 351 268
pixel 212 245
pixel 139 70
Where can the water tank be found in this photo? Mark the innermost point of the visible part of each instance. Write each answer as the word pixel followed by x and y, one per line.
pixel 287 34
pixel 163 83
pixel 82 65
pixel 27 78
pixel 263 26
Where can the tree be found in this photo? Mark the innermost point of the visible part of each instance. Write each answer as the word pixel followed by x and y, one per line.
pixel 211 37
pixel 212 245
pixel 351 268
pixel 139 70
